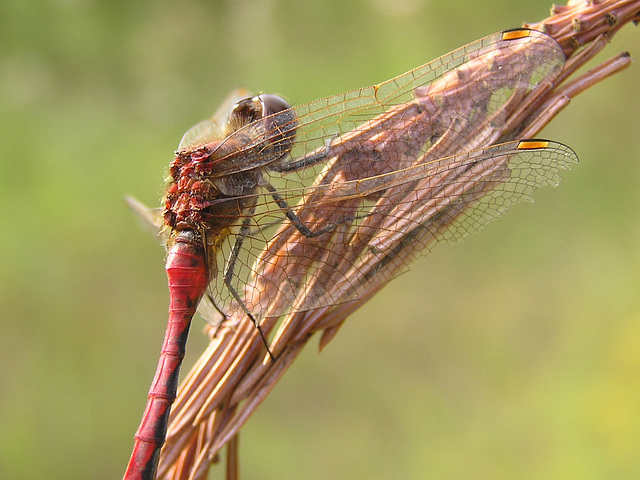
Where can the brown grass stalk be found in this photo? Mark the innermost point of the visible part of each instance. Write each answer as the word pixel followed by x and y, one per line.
pixel 234 374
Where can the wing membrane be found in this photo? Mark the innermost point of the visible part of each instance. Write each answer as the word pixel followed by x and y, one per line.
pixel 377 236
pixel 384 173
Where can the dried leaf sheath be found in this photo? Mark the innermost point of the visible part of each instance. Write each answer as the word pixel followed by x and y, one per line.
pixel 227 384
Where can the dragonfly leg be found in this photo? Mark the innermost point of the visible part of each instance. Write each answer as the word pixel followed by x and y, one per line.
pixel 229 273
pixel 304 162
pixel 293 218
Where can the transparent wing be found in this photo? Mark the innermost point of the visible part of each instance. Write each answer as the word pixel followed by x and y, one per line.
pixel 215 126
pixel 468 85
pixel 376 226
pixel 466 90
pixel 383 173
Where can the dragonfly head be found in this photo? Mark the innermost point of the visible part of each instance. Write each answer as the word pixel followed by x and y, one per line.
pixel 275 117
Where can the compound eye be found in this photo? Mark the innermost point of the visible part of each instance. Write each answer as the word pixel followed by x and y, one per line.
pixel 246 111
pixel 278 120
pixel 273 104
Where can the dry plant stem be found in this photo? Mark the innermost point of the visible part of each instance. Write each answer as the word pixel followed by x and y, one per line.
pixel 580 22
pixel 232 459
pixel 234 375
pixel 563 96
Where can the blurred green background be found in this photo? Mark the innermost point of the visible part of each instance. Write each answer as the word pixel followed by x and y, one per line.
pixel 513 355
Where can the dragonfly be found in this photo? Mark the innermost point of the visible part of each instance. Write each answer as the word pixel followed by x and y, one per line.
pixel 272 209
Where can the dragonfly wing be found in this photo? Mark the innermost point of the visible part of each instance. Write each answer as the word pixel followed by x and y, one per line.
pixel 213 128
pixel 387 171
pixel 376 226
pixel 472 83
pixel 151 218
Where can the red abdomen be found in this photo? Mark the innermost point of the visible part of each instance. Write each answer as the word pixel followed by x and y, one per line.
pixel 188 275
